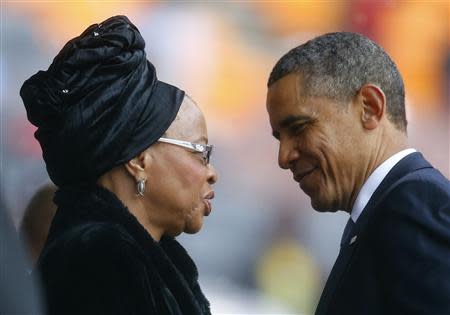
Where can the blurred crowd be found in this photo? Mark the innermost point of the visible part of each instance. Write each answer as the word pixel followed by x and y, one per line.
pixel 263 250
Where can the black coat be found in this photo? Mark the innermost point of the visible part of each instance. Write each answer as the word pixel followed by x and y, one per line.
pixel 99 259
pixel 396 260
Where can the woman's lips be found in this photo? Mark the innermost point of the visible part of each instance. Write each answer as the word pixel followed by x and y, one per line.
pixel 207 201
pixel 208 207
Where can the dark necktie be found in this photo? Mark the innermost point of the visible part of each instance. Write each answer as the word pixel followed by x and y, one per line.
pixel 347 231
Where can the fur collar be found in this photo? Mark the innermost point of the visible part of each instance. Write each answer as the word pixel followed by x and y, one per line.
pixel 96 204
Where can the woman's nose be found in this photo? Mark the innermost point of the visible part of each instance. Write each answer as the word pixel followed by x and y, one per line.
pixel 212 175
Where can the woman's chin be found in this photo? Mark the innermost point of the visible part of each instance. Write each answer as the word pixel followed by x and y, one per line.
pixel 194 227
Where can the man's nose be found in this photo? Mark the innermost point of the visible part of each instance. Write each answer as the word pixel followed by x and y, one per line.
pixel 287 154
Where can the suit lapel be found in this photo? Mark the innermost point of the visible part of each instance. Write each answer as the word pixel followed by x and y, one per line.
pixel 339 268
pixel 405 166
pixel 408 164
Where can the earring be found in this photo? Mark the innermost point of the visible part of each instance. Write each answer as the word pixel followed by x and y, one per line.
pixel 140 186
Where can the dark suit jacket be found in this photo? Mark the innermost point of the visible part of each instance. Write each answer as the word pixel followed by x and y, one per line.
pixel 399 262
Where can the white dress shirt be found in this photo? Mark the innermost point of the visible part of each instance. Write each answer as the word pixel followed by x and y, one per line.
pixel 374 180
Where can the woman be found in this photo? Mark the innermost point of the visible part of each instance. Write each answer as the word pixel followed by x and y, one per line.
pixel 129 154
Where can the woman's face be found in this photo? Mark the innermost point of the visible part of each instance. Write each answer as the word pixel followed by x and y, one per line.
pixel 178 188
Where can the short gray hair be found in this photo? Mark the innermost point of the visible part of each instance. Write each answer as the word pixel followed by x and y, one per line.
pixel 337 65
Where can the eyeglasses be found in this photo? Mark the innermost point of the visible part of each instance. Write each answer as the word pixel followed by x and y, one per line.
pixel 204 149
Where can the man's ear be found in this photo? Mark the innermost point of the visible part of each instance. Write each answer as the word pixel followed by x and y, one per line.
pixel 138 166
pixel 374 106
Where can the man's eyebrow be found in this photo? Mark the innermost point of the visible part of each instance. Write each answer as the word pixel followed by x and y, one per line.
pixel 291 119
pixel 294 118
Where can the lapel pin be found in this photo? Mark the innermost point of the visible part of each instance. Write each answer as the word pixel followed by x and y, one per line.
pixel 353 239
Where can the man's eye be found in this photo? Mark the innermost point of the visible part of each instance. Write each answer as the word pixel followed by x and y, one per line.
pixel 295 130
pixel 276 135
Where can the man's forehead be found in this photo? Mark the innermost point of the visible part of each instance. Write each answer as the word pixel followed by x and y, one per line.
pixel 285 89
pixel 285 97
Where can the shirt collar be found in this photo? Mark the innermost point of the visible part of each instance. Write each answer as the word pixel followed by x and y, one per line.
pixel 374 180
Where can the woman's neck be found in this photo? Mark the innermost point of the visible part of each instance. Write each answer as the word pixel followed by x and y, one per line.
pixel 123 188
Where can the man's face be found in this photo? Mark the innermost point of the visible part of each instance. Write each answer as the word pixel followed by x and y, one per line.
pixel 320 142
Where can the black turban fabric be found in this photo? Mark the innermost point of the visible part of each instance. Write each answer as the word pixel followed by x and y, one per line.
pixel 99 104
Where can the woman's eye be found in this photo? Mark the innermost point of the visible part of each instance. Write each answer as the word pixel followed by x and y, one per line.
pixel 200 157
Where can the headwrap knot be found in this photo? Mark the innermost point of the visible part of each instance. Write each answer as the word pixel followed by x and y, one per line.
pixel 99 103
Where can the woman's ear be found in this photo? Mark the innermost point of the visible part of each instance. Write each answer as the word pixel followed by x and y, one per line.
pixel 374 106
pixel 139 165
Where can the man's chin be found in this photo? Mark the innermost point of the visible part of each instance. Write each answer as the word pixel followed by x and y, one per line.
pixel 321 206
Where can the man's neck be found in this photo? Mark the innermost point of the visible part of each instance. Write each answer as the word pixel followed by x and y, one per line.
pixel 386 147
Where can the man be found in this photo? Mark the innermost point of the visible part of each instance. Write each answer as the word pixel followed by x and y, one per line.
pixel 336 105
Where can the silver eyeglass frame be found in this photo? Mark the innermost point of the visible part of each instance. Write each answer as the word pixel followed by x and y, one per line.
pixel 204 149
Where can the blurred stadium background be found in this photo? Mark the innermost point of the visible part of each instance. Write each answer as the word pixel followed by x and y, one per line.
pixel 263 250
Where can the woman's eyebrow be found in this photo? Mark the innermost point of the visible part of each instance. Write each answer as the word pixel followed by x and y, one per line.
pixel 201 140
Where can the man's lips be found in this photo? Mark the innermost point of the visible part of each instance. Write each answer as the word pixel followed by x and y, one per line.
pixel 298 176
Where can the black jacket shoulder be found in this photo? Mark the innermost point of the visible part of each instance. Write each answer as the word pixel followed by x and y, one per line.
pixel 98 259
pixel 93 268
pixel 411 236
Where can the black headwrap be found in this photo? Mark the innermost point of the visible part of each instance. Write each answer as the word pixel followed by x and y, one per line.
pixel 99 104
